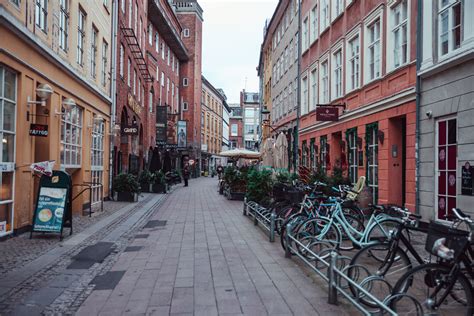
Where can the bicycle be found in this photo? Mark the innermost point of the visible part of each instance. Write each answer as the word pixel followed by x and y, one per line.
pixel 441 288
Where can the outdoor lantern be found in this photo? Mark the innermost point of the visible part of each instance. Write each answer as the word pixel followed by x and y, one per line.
pixel 69 104
pixel 380 136
pixel 265 112
pixel 44 91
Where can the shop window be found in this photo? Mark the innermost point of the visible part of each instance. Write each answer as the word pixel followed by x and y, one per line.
pixel 97 159
pixel 7 156
pixel 71 138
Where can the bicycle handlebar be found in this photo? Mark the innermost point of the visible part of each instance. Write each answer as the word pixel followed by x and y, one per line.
pixel 461 216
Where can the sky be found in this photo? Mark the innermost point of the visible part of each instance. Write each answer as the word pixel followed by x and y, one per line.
pixel 232 35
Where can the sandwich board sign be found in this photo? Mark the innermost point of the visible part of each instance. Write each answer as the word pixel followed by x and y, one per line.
pixel 53 209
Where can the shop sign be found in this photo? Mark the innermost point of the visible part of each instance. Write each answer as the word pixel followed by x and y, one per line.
pixel 134 105
pixel 327 114
pixel 129 130
pixel 466 179
pixel 50 210
pixel 3 227
pixel 39 130
pixel 171 146
pixel 7 166
pixel 161 121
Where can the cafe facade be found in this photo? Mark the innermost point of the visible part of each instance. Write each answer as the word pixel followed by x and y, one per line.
pixel 54 105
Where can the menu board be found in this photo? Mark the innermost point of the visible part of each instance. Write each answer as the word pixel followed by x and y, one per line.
pixel 49 212
pixel 466 179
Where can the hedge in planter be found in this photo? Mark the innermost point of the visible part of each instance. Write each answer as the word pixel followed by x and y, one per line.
pixel 146 179
pixel 159 186
pixel 127 187
pixel 259 186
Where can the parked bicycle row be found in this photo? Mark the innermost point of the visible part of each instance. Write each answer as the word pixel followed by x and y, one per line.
pixel 376 247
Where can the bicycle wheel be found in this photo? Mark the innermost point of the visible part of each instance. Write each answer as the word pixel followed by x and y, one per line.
pixel 428 284
pixel 294 220
pixel 319 229
pixel 346 242
pixel 378 260
pixel 381 231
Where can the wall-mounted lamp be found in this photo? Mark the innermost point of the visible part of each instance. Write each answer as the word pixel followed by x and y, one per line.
pixel 115 130
pixel 43 92
pixel 67 105
pixel 380 136
pixel 429 114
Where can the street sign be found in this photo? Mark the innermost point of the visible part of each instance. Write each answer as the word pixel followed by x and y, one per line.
pixel 39 130
pixel 327 114
pixel 129 130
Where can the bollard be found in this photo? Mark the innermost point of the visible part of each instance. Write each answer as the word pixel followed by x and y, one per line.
pixel 332 298
pixel 245 205
pixel 272 227
pixel 287 241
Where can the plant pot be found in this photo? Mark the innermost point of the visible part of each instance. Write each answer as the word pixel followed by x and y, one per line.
pixel 145 187
pixel 126 197
pixel 159 188
pixel 239 196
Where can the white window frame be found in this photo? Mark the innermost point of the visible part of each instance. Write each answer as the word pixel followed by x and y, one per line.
pixel 314 28
pixel 374 17
pixel 105 50
pixel 129 72
pixel 186 32
pixel 41 14
pixel 324 71
pixel 337 77
pixel 81 35
pixel 323 15
pixel 392 29
pixel 337 8
pixel 122 5
pixel 72 121
pixel 157 42
pixel 353 62
pixel 130 13
pixel 304 94
pixel 185 106
pixel 185 82
pixel 449 10
pixel 313 92
pixel 121 54
pixel 63 24
pixel 305 39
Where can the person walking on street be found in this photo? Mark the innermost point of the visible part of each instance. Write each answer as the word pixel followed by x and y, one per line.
pixel 220 170
pixel 186 174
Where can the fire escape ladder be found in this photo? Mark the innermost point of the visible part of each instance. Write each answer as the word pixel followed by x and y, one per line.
pixel 136 52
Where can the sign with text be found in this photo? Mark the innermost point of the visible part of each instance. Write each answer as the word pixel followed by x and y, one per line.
pixel 182 134
pixel 467 171
pixel 50 210
pixel 171 128
pixel 327 114
pixel 134 105
pixel 39 130
pixel 129 130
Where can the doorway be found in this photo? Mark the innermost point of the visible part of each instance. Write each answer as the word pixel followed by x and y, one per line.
pixel 397 161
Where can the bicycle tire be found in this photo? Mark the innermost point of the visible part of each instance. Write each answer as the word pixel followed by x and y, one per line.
pixel 294 218
pixel 432 275
pixel 375 232
pixel 375 259
pixel 346 243
pixel 331 235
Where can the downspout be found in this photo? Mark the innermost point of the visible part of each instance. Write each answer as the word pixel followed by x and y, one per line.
pixel 113 92
pixel 419 46
pixel 298 103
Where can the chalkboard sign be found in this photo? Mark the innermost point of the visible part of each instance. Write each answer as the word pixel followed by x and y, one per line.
pixel 53 209
pixel 49 212
pixel 466 179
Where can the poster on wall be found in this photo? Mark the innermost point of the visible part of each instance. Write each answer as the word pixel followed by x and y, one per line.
pixel 50 210
pixel 182 134
pixel 466 179
pixel 161 122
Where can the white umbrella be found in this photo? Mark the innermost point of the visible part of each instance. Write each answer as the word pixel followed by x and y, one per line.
pixel 281 152
pixel 268 153
pixel 240 153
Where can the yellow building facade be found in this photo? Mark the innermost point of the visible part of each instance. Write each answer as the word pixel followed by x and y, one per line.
pixel 55 59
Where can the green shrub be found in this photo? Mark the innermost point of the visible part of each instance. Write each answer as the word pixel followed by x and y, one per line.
pixel 259 186
pixel 146 177
pixel 126 182
pixel 159 177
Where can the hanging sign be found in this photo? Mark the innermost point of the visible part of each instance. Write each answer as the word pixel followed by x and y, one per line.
pixel 129 130
pixel 134 105
pixel 467 173
pixel 327 114
pixel 39 130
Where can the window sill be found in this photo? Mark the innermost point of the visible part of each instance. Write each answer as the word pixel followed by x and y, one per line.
pixel 324 31
pixel 336 18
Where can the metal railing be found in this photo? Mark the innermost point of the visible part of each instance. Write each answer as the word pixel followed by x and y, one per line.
pixel 89 186
pixel 334 276
pixel 261 215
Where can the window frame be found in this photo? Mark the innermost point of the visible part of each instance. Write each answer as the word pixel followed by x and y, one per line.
pixel 41 15
pixel 352 60
pixel 449 9
pixel 105 49
pixel 81 35
pixel 338 72
pixel 324 80
pixel 374 18
pixel 64 24
pixel 392 29
pixel 75 129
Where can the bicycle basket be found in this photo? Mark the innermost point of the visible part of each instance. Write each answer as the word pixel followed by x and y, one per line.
pixel 456 239
pixel 294 196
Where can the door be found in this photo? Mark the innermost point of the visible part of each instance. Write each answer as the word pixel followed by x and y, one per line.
pixel 396 160
pixel 446 162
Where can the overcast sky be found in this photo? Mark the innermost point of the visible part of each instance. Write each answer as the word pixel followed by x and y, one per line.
pixel 232 35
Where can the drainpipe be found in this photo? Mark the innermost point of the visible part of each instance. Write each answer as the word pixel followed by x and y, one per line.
pixel 113 92
pixel 419 46
pixel 298 103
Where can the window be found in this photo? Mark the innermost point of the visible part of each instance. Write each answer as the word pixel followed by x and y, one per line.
pixel 139 35
pixel 105 48
pixel 399 32
pixel 130 13
pixel 162 79
pixel 296 48
pixel 168 57
pixel 157 43
pixel 314 23
pixel 312 154
pixel 185 106
pixel 353 65
pixel 314 90
pixel 134 81
pixel 305 38
pixel 304 95
pixel 352 154
pixel 71 138
pixel 63 24
pixel 41 14
pixel 172 63
pixel 8 93
pixel 162 50
pixel 138 89
pixel 185 82
pixel 121 60
pixel 97 159
pixel 16 2
pixel 135 20
pixel 337 8
pixel 337 74
pixel 129 74
pixel 324 16
pixel 186 32
pixel 93 51
pixel 81 34
pixel 374 65
pixel 450 25
pixel 150 101
pixel 122 6
pixel 324 91
pixel 323 142
pixel 303 153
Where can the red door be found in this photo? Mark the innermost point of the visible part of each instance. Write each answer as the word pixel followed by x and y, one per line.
pixel 446 167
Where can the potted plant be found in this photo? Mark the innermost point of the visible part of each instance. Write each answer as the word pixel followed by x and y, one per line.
pixel 259 186
pixel 235 183
pixel 127 187
pixel 146 179
pixel 159 185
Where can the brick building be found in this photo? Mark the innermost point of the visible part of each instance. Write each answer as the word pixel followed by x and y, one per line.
pixel 250 104
pixel 236 136
pixel 361 54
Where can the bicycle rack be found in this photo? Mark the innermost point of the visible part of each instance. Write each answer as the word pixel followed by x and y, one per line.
pixel 334 276
pixel 261 215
